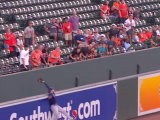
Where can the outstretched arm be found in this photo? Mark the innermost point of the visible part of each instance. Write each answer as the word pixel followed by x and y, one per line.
pixel 46 85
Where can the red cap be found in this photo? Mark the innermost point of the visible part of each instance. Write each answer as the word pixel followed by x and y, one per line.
pixel 144 30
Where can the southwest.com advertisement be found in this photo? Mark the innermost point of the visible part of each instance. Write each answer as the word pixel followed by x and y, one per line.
pixel 148 94
pixel 94 103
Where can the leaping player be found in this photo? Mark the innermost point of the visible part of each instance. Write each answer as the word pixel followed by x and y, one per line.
pixel 54 106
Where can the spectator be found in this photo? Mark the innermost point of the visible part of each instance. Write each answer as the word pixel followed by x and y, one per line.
pixel 149 34
pixel 154 41
pixel 59 27
pixel 91 39
pixel 105 10
pixel 55 57
pixel 129 22
pixel 75 23
pixel 130 33
pixel 158 31
pixel 24 58
pixel 85 51
pixel 7 38
pixel 128 46
pixel 36 56
pixel 102 50
pixel 154 30
pixel 86 33
pixel 79 38
pixel 123 12
pixel 96 34
pixel 20 40
pixel 67 31
pixel 28 36
pixel 92 53
pixel 135 38
pixel 75 55
pixel 19 43
pixel 137 14
pixel 130 10
pixel 110 45
pixel 123 34
pixel 143 36
pixel 13 45
pixel 115 8
pixel 112 32
pixel 117 40
pixel 102 39
pixel 45 52
pixel 51 28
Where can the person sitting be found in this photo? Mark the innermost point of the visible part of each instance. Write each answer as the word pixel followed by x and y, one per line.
pixel 45 52
pixel 102 39
pixel 96 34
pixel 143 36
pixel 153 42
pixel 79 38
pixel 149 34
pixel 135 38
pixel 102 50
pixel 55 57
pixel 128 46
pixel 110 45
pixel 137 14
pixel 86 33
pixel 75 55
pixel 36 56
pixel 105 10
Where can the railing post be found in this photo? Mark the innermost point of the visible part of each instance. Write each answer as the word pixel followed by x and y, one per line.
pixel 76 81
pixel 138 68
pixel 110 74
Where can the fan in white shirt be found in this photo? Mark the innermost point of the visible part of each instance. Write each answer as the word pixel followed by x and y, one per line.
pixel 20 40
pixel 158 31
pixel 129 22
pixel 24 58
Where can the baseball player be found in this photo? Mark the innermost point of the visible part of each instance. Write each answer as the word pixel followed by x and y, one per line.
pixel 54 106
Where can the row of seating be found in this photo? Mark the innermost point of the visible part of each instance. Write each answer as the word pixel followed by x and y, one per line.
pixel 139 2
pixel 50 6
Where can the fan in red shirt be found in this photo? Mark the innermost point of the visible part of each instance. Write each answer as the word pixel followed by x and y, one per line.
pixel 13 44
pixel 7 38
pixel 149 34
pixel 105 10
pixel 67 30
pixel 123 12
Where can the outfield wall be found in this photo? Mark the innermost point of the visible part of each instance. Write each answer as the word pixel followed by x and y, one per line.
pixel 62 77
pixel 118 99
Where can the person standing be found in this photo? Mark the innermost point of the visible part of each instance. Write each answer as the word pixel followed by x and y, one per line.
pixel 28 36
pixel 67 31
pixel 54 106
pixel 115 8
pixel 105 10
pixel 129 22
pixel 123 12
pixel 75 22
pixel 24 58
pixel 13 45
pixel 51 28
pixel 7 38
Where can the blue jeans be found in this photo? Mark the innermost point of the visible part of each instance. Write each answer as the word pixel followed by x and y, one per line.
pixel 6 46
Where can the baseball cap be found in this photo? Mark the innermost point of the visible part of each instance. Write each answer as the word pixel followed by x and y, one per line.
pixel 46 46
pixel 113 24
pixel 20 35
pixel 144 30
pixel 102 35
